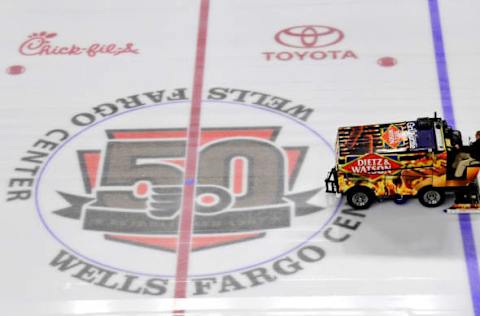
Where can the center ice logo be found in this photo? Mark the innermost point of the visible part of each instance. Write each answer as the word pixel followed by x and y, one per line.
pixel 110 193
pixel 133 187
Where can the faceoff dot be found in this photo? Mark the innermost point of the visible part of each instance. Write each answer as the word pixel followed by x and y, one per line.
pixel 15 70
pixel 387 61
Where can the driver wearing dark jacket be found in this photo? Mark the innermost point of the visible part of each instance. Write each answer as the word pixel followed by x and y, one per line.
pixel 471 156
pixel 475 147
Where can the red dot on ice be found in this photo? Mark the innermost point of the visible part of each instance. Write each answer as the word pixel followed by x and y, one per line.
pixel 207 199
pixel 387 61
pixel 142 189
pixel 15 70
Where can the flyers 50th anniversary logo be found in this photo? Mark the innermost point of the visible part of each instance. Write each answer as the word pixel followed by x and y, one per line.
pixel 107 187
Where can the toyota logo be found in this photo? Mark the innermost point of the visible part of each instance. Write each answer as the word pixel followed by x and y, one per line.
pixel 309 36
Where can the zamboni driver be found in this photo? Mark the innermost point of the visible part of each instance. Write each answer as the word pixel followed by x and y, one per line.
pixel 470 157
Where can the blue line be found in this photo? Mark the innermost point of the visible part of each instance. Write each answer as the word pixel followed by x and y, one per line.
pixel 441 61
pixel 447 107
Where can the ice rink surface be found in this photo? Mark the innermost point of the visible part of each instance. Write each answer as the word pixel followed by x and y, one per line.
pixel 226 113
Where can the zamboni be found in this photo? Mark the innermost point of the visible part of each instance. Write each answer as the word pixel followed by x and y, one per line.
pixel 424 158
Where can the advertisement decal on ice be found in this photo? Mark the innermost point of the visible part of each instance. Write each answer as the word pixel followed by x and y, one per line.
pixel 309 43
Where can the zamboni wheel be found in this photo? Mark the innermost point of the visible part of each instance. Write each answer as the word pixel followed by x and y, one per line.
pixel 360 197
pixel 431 197
pixel 400 199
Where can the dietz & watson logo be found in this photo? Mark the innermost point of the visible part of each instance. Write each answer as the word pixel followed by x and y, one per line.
pixel 108 188
pixel 372 166
pixel 44 44
pixel 315 41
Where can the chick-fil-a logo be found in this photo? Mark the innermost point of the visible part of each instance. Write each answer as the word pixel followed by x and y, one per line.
pixel 41 44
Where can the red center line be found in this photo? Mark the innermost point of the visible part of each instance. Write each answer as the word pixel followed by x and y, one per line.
pixel 188 200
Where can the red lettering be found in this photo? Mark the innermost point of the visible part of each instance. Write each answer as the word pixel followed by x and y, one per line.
pixel 45 50
pixel 93 50
pixel 63 50
pixel 334 53
pixel 301 55
pixel 110 48
pixel 349 54
pixel 286 56
pixel 128 49
pixel 268 55
pixel 75 50
pixel 40 45
pixel 318 55
pixel 304 55
pixel 32 46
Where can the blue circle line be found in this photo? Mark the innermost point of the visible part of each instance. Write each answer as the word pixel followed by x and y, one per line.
pixel 74 136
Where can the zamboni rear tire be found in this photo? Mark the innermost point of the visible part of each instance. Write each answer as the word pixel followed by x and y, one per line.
pixel 431 197
pixel 360 198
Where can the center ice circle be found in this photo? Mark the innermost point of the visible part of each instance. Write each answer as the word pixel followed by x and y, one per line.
pixel 59 173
